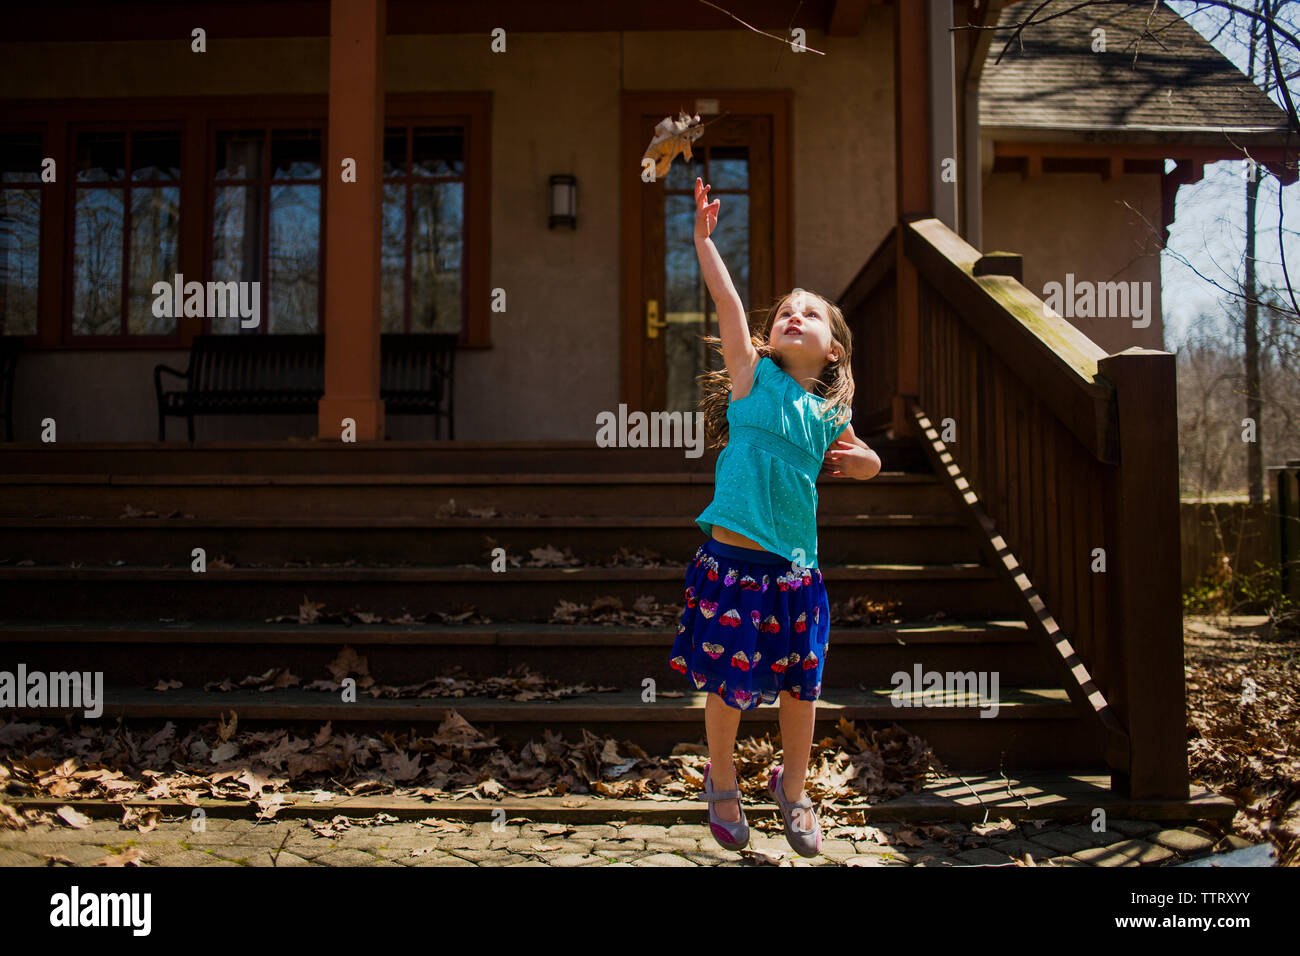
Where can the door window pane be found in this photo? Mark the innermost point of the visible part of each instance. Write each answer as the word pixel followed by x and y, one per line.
pixel 689 307
pixel 682 173
pixel 729 167
pixel 685 308
pixel 733 241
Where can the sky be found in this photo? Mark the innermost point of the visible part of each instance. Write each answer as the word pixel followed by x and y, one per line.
pixel 1210 217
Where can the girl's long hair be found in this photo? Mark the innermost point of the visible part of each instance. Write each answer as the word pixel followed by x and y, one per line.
pixel 835 384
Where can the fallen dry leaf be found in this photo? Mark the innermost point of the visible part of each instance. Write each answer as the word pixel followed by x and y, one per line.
pixel 73 817
pixel 131 856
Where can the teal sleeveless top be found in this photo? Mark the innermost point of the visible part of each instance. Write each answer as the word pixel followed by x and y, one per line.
pixel 765 483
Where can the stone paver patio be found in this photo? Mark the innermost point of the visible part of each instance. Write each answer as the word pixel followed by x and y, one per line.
pixel 292 842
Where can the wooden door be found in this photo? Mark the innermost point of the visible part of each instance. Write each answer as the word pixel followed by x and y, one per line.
pixel 673 308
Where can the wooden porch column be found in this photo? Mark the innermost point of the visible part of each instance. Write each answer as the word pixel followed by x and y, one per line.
pixel 912 166
pixel 353 220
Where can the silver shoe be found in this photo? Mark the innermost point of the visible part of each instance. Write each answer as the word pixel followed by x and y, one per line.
pixel 730 835
pixel 803 842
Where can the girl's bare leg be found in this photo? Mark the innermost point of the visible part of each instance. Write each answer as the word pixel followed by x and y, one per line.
pixel 796 717
pixel 720 725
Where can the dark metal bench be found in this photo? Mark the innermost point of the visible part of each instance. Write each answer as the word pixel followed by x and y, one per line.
pixel 283 374
pixel 10 346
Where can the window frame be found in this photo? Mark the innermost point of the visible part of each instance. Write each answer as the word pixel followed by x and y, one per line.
pixel 196 116
pixel 407 180
pixel 266 182
pixel 69 255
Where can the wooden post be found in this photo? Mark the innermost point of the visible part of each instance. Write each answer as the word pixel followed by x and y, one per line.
pixel 1143 562
pixel 353 220
pixel 912 198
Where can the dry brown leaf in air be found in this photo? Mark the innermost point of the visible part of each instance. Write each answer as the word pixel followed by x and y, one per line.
pixel 672 136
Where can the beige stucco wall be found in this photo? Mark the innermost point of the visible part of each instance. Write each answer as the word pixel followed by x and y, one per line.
pixel 1076 223
pixel 554 361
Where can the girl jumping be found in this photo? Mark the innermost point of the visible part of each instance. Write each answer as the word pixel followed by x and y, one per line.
pixel 757 619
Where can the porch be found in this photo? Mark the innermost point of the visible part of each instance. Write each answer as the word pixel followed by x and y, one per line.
pixel 1026 522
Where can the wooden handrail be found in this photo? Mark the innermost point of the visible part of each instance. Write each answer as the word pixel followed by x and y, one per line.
pixel 1054 358
pixel 1067 460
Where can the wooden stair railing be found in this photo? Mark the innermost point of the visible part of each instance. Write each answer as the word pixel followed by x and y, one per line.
pixel 1067 460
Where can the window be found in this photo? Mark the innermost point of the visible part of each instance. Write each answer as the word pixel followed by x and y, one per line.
pixel 124 229
pixel 424 229
pixel 20 231
pixel 249 172
pixel 267 225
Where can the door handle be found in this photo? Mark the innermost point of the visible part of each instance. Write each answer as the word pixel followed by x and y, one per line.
pixel 652 323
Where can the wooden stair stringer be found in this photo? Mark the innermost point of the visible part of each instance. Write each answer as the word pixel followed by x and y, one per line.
pixel 1077 682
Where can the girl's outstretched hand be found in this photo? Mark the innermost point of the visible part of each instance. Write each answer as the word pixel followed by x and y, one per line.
pixel 706 215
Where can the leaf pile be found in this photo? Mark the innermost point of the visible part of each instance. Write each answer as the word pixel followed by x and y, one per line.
pixel 864 612
pixel 270 769
pixel 518 684
pixel 312 612
pixel 1247 750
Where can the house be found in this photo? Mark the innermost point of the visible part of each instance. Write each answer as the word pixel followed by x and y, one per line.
pixel 401 168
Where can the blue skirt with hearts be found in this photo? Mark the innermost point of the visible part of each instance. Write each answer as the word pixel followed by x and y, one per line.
pixel 753 626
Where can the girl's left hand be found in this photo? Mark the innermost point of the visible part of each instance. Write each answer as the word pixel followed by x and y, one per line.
pixel 849 460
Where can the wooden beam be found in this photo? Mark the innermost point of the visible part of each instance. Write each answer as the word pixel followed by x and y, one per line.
pixel 55 21
pixel 1197 155
pixel 912 159
pixel 353 221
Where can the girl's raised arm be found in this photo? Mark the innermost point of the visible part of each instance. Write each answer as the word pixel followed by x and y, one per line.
pixel 733 328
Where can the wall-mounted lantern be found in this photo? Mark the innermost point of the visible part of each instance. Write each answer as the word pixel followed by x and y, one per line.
pixel 564 201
